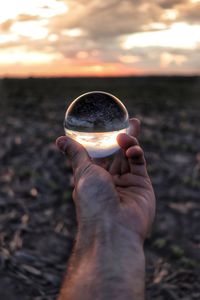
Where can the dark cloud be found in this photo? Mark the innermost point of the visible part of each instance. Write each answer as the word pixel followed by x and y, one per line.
pixel 110 19
pixel 190 13
pixel 168 4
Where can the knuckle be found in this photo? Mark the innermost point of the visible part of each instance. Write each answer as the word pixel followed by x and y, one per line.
pixel 83 170
pixel 74 153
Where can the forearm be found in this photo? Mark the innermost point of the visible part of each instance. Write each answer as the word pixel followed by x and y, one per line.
pixel 107 263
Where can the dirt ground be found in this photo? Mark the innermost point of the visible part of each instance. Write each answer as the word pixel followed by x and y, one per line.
pixel 37 217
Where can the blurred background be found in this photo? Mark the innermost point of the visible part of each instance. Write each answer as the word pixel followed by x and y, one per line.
pixel 145 53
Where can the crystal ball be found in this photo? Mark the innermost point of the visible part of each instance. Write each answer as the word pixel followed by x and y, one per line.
pixel 94 120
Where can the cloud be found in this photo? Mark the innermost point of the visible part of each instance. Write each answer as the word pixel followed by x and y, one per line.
pixel 5 26
pixel 167 4
pixel 190 13
pixel 91 33
pixel 107 20
pixel 26 17
pixel 102 25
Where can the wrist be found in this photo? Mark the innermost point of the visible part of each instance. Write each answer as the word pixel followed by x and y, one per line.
pixel 115 257
pixel 107 238
pixel 107 229
pixel 107 263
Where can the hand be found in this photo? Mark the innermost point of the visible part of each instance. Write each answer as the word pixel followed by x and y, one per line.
pixel 115 207
pixel 120 194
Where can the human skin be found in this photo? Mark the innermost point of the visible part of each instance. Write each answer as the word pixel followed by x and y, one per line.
pixel 115 207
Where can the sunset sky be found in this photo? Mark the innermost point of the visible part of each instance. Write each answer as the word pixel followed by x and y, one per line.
pixel 96 37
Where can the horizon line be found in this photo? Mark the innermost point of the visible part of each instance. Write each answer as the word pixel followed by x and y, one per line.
pixel 100 77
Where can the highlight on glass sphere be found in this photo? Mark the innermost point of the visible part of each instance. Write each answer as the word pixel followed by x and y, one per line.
pixel 94 120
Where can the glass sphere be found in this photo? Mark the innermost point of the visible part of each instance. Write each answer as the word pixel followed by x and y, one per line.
pixel 94 120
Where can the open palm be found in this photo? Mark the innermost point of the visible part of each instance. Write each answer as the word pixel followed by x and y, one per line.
pixel 117 190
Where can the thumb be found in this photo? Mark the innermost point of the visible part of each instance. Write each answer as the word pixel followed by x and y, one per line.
pixel 77 154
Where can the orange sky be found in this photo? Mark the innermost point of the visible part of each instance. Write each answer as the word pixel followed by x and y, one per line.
pixel 95 37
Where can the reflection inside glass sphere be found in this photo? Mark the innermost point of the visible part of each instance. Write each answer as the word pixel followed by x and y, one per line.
pixel 94 120
pixel 98 144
